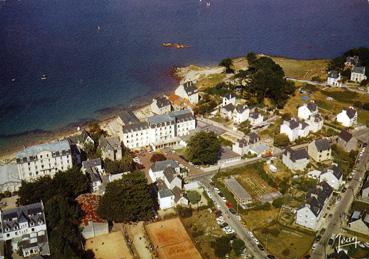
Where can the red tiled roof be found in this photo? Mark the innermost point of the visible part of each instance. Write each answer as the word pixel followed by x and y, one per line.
pixel 89 203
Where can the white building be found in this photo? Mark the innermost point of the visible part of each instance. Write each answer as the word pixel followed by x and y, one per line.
pixel 310 215
pixel 294 129
pixel 240 113
pixel 188 91
pixel 347 117
pixel 334 79
pixel 26 227
pixel 9 178
pixel 307 110
pixel 296 160
pixel 94 171
pixel 159 130
pixel 315 122
pixel 226 111
pixel 256 118
pixel 229 98
pixel 333 176
pixel 44 159
pixel 161 105
pixel 111 148
pixel 156 171
pixel 320 150
pixel 245 145
pixel 358 74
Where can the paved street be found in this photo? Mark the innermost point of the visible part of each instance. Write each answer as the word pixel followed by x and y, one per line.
pixel 334 224
pixel 232 221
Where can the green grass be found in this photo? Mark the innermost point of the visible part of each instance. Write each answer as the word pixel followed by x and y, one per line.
pixel 344 96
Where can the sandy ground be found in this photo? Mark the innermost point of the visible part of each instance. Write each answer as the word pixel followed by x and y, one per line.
pixel 112 245
pixel 9 203
pixel 171 240
pixel 141 244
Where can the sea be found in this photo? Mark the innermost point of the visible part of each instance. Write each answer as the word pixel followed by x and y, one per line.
pixel 96 55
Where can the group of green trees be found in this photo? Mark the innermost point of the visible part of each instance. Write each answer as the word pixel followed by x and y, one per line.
pixel 62 212
pixel 203 148
pixel 223 245
pixel 120 166
pixel 129 199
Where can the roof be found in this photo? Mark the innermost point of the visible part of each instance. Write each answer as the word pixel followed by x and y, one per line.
pixel 190 88
pixel 317 197
pixel 89 204
pixel 128 117
pixel 229 96
pixel 162 165
pixel 177 193
pixel 359 70
pixel 91 163
pixel 169 173
pixel 338 255
pixel 297 154
pixel 333 74
pixel 135 127
pixel 241 108
pixel 293 123
pixel 254 115
pixel 229 107
pixel 236 188
pixel 351 112
pixel 162 102
pixel 336 171
pixel 181 115
pixel 345 135
pixel 56 146
pixel 366 183
pixel 322 144
pixel 165 192
pixel 9 173
pixel 253 138
pixel 109 143
pixel 312 106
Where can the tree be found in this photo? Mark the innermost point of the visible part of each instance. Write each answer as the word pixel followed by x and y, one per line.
pixel 194 197
pixel 221 246
pixel 245 127
pixel 281 140
pixel 227 63
pixel 203 148
pixel 277 203
pixel 126 164
pixel 128 199
pixel 157 157
pixel 251 57
pixel 238 246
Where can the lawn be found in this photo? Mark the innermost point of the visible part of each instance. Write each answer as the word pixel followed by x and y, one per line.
pixel 285 242
pixel 255 219
pixel 203 229
pixel 210 81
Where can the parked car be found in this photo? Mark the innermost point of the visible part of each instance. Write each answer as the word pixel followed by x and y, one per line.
pixel 261 247
pixel 233 211
pixel 318 237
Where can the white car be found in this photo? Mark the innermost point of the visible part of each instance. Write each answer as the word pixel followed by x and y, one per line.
pixel 216 189
pixel 314 246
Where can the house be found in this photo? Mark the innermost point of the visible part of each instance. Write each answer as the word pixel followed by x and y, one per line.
pixel 347 141
pixel 307 110
pixel 315 122
pixel 294 129
pixel 310 214
pixel 358 74
pixel 226 111
pixel 26 229
pixel 9 178
pixel 240 113
pixel 91 223
pixel 333 176
pixel 93 169
pixel 359 222
pixel 45 159
pixel 166 198
pixel 351 61
pixel 83 139
pixel 334 79
pixel 161 105
pixel 243 146
pixel 348 117
pixel 111 148
pixel 240 194
pixel 229 98
pixel 188 91
pixel 159 131
pixel 365 189
pixel 227 156
pixel 296 160
pixel 320 150
pixel 179 103
pixel 171 179
pixel 156 171
pixel 255 118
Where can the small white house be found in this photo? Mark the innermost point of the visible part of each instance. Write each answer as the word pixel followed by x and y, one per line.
pixel 332 176
pixel 156 171
pixel 347 117
pixel 294 129
pixel 244 145
pixel 365 189
pixel 161 105
pixel 256 118
pixel 188 91
pixel 315 122
pixel 240 113
pixel 320 150
pixel 334 79
pixel 358 74
pixel 307 110
pixel 226 111
pixel 229 98
pixel 296 160
pixel 166 198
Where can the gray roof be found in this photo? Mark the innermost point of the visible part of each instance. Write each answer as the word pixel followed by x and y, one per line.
pixel 91 163
pixel 9 174
pixel 312 106
pixel 229 96
pixel 229 107
pixel 297 154
pixel 109 143
pixel 333 74
pixel 253 138
pixel 351 112
pixel 165 192
pixel 182 115
pixel 345 135
pixel 190 88
pixel 336 171
pixel 322 144
pixel 162 102
pixel 366 183
pixel 354 60
pixel 241 108
pixel 254 115
pixel 56 146
pixel 93 176
pixel 236 188
pixel 169 173
pixel 160 119
pixel 128 117
pixel 135 127
pixel 317 197
pixel 294 123
pixel 359 70
pixel 162 165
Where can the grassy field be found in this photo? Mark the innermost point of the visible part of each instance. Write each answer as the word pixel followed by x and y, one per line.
pixel 284 242
pixel 203 229
pixel 255 219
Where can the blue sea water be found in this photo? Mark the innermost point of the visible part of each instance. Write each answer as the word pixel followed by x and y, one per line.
pixel 102 53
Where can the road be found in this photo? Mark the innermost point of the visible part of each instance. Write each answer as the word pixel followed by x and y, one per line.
pixel 232 221
pixel 335 222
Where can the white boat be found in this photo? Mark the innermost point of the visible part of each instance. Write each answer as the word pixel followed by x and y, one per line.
pixel 43 77
pixel 208 4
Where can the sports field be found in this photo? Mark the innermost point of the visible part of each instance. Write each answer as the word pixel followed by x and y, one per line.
pixel 170 239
